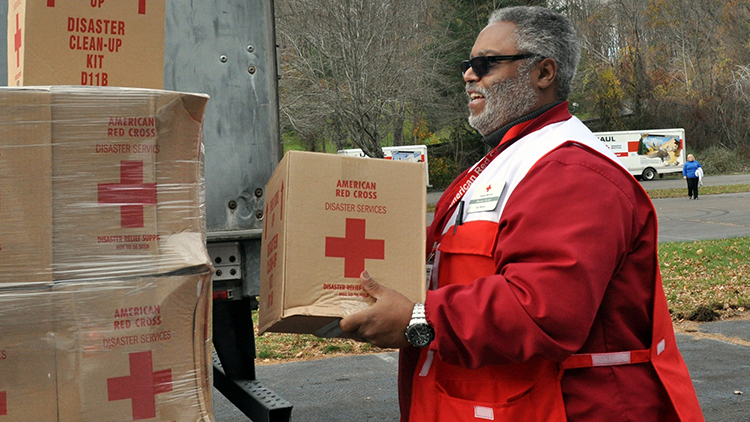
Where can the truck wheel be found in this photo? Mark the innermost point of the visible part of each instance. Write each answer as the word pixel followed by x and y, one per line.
pixel 648 174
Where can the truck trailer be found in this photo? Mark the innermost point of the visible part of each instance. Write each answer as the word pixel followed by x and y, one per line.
pixel 648 153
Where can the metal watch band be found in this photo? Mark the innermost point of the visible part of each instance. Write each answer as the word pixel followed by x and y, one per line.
pixel 419 332
pixel 417 314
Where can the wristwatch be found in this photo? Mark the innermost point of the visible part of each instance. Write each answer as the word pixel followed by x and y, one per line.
pixel 419 332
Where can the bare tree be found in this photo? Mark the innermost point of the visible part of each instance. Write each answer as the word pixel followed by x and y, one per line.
pixel 353 69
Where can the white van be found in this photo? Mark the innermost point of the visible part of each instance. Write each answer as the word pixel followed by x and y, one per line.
pixel 416 153
pixel 648 153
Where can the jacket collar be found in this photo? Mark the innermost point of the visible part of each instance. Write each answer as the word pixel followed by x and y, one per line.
pixel 537 119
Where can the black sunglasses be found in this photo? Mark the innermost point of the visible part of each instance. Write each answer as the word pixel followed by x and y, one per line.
pixel 481 64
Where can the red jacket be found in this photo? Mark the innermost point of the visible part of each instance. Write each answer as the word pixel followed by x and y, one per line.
pixel 570 267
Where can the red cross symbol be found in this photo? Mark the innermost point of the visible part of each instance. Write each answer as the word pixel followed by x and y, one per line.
pixel 17 42
pixel 141 6
pixel 141 386
pixel 131 194
pixel 488 188
pixel 354 248
pixel 3 404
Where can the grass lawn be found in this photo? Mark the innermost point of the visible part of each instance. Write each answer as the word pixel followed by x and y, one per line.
pixel 706 280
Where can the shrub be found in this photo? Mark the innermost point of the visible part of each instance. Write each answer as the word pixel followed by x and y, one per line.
pixel 719 160
pixel 442 172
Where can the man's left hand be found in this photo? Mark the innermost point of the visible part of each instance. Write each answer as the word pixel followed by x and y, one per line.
pixel 384 323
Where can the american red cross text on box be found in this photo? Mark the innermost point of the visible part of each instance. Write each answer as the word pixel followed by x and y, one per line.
pixel 354 248
pixel 141 5
pixel 3 404
pixel 131 194
pixel 141 386
pixel 276 200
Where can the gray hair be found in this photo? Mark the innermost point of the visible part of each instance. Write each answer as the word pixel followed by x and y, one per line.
pixel 548 34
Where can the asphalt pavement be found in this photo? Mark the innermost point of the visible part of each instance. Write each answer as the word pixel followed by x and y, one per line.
pixel 363 388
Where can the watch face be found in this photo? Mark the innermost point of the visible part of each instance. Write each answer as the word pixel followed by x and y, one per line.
pixel 420 335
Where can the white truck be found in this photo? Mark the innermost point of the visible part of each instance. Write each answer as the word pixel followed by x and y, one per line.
pixel 414 153
pixel 648 153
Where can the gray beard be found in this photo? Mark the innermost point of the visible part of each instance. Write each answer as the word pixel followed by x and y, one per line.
pixel 505 101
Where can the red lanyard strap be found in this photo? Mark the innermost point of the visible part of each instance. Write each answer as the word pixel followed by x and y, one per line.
pixel 459 187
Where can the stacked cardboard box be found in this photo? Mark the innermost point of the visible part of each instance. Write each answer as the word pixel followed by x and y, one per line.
pixel 104 277
pixel 28 377
pixel 99 182
pixel 127 350
pixel 25 187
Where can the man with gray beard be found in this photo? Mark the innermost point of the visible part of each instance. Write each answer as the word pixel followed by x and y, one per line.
pixel 545 301
pixel 505 100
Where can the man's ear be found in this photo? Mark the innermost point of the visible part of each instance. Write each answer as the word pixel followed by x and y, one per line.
pixel 547 73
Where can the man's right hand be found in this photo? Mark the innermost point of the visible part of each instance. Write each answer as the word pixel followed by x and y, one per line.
pixel 384 323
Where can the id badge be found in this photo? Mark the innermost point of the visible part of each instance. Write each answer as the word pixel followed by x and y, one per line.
pixel 486 198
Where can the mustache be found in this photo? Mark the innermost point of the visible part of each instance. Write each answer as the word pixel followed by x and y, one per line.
pixel 472 87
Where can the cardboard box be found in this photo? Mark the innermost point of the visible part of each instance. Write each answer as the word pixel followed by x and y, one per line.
pixel 328 218
pixel 28 382
pixel 133 350
pixel 25 189
pixel 204 346
pixel 86 42
pixel 127 183
pixel 117 169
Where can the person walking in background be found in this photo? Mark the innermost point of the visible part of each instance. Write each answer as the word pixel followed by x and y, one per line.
pixel 689 174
